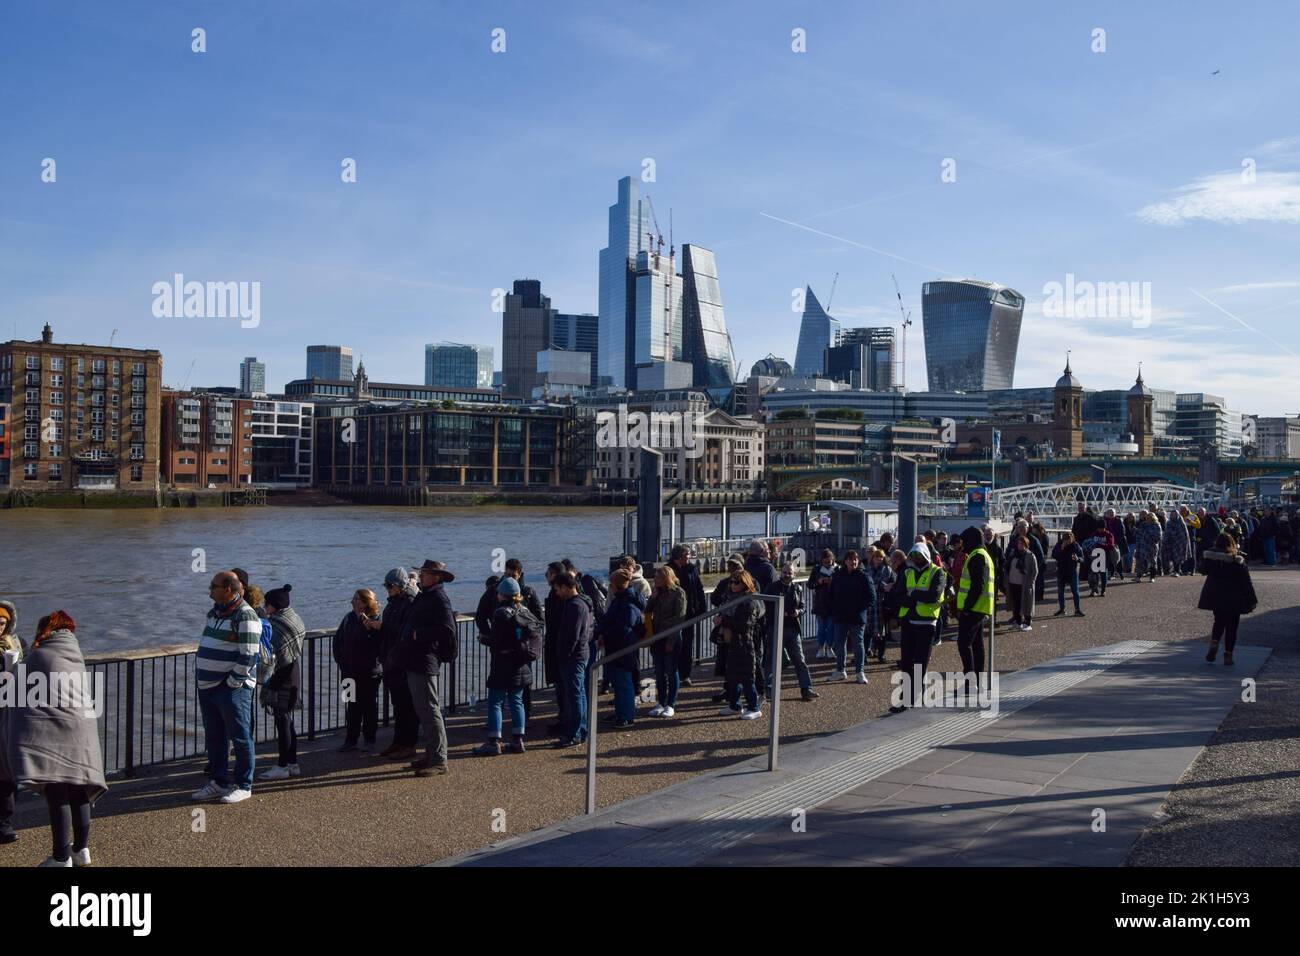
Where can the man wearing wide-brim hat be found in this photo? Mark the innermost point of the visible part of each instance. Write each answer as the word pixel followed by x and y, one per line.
pixel 431 625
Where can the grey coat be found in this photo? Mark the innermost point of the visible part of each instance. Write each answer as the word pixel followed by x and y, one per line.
pixel 1030 568
pixel 57 742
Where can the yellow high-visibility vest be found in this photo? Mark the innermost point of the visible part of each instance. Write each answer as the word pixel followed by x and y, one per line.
pixel 984 602
pixel 913 583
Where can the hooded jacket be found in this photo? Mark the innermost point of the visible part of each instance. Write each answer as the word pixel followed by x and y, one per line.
pixel 575 629
pixel 618 627
pixel 512 658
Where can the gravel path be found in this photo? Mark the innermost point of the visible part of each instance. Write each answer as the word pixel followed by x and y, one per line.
pixel 353 810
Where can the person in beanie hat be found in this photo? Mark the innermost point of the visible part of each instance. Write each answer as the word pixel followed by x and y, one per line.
pixel 515 642
pixel 401 589
pixel 282 691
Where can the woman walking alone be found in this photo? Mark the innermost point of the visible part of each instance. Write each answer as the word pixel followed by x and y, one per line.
pixel 1228 592
pixel 53 745
pixel 666 609
pixel 280 694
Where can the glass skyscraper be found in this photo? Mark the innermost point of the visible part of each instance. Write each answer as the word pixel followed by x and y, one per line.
pixel 252 376
pixel 331 362
pixel 706 340
pixel 816 334
pixel 578 333
pixel 525 331
pixel 972 330
pixel 658 328
pixel 454 365
pixel 629 221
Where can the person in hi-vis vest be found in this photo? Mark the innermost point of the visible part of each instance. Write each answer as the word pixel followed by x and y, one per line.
pixel 975 600
pixel 923 585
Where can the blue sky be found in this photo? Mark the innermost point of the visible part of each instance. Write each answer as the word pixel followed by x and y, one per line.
pixel 475 168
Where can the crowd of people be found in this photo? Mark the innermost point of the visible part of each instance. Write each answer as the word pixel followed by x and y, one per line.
pixel 253 641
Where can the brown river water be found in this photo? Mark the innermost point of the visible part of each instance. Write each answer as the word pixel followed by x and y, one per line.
pixel 129 579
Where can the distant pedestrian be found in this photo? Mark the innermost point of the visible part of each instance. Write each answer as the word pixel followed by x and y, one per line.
pixel 665 611
pixel 620 628
pixel 1022 578
pixel 791 636
pixel 758 564
pixel 1175 545
pixel 1147 553
pixel 401 589
pixel 974 602
pixel 356 652
pixel 688 576
pixel 574 633
pixel 225 674
pixel 1069 559
pixel 919 611
pixel 853 597
pixel 53 739
pixel 515 569
pixel 882 576
pixel 282 690
pixel 819 583
pixel 12 650
pixel 430 630
pixel 1228 592
pixel 721 595
pixel 515 643
pixel 741 630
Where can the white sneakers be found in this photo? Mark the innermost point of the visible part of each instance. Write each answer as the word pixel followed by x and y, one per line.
pixel 237 795
pixel 750 714
pixel 210 791
pixel 81 857
pixel 862 678
pixel 656 711
pixel 837 675
pixel 281 773
pixel 1026 627
pixel 670 712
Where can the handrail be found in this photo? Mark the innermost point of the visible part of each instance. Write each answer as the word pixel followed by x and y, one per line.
pixel 778 638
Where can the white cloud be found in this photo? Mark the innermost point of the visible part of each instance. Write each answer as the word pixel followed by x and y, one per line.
pixel 1227 197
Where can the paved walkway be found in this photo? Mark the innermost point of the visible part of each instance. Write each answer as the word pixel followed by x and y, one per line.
pixel 1076 763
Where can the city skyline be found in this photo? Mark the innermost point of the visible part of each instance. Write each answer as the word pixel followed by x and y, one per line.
pixel 1100 172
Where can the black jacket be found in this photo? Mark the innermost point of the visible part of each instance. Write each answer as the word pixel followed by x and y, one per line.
pixel 761 570
pixel 1083 525
pixel 431 618
pixel 575 627
pixel 746 623
pixel 620 626
pixel 1227 588
pixel 819 582
pixel 356 648
pixel 793 593
pixel 689 578
pixel 390 633
pixel 487 606
pixel 852 596
pixel 511 666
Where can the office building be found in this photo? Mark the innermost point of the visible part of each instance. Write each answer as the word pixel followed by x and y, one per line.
pixel 330 362
pixel 972 331
pixel 453 365
pixel 629 228
pixel 578 332
pixel 816 334
pixel 252 377
pixel 706 341
pixel 360 388
pixel 207 440
pixel 89 415
pixel 772 366
pixel 562 373
pixel 659 327
pixel 1277 437
pixel 1206 422
pixel 525 331
pixel 282 441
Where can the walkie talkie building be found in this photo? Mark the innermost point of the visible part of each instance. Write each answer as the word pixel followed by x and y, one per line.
pixel 972 330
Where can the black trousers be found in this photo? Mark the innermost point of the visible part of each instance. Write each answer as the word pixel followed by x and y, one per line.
pixel 69 807
pixel 286 737
pixel 406 726
pixel 916 643
pixel 1225 628
pixel 362 714
pixel 970 641
pixel 686 652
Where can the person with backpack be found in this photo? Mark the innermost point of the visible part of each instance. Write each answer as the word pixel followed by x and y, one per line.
pixel 53 739
pixel 401 589
pixel 666 609
pixel 621 627
pixel 515 642
pixel 688 576
pixel 281 691
pixel 574 635
pixel 430 639
pixel 356 652
pixel 1228 592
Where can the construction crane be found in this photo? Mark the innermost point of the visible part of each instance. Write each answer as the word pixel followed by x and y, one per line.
pixel 907 320
pixel 831 297
pixel 111 337
pixel 185 384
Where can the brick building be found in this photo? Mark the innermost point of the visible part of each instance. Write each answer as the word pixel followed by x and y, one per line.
pixel 206 440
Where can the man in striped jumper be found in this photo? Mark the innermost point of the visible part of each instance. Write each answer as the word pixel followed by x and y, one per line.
pixel 225 670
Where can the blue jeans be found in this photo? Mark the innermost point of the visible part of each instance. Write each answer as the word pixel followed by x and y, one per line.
pixel 497 700
pixel 574 675
pixel 1270 551
pixel 667 678
pixel 1073 582
pixel 624 693
pixel 228 721
pixel 844 630
pixel 825 631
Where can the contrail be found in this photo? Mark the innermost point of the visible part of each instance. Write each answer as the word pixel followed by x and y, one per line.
pixel 881 252
pixel 1240 322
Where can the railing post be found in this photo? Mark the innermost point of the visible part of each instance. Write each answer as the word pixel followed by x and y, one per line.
pixel 129 769
pixel 778 632
pixel 311 688
pixel 592 721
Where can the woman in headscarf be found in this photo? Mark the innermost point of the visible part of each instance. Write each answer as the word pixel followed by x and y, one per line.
pixel 53 745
